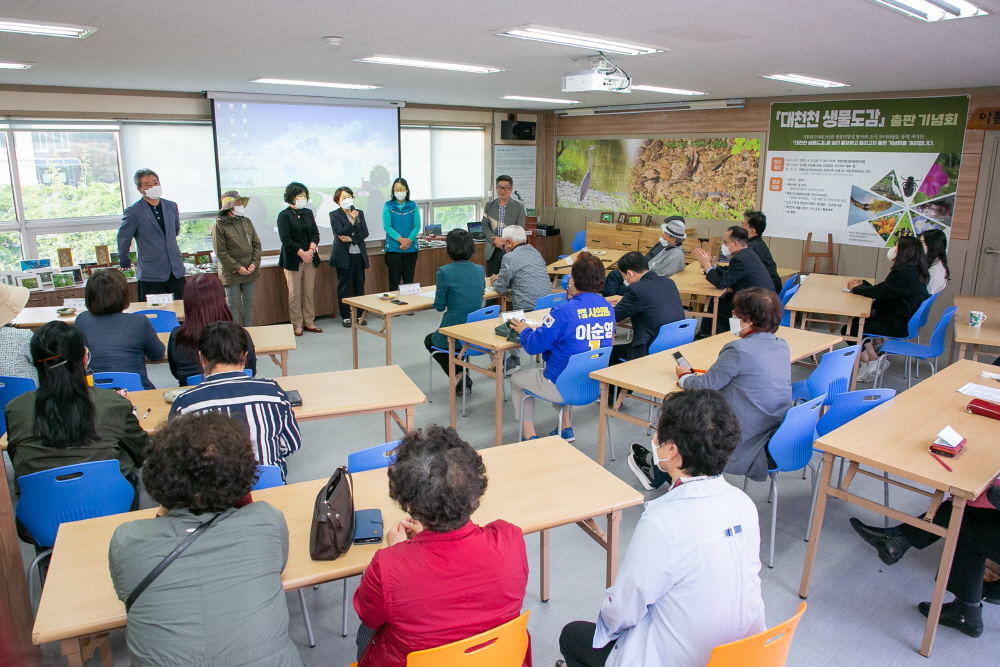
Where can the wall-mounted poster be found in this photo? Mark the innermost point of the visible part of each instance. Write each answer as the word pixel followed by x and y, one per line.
pixel 709 178
pixel 518 162
pixel 866 171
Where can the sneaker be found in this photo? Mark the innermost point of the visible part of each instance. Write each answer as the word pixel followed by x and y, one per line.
pixel 889 542
pixel 566 435
pixel 347 323
pixel 638 463
pixel 866 371
pixel 511 366
pixel 956 614
pixel 534 437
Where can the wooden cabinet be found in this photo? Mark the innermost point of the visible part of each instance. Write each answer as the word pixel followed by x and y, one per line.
pixel 605 236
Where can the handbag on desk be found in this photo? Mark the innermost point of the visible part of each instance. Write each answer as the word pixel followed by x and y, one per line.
pixel 332 531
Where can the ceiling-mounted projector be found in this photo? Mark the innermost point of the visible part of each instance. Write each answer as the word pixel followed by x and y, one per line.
pixel 603 75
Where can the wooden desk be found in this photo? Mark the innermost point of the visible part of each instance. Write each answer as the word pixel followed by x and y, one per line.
pixel 609 258
pixel 275 341
pixel 655 375
pixel 560 487
pixel 988 334
pixel 34 318
pixel 692 281
pixel 824 294
pixel 894 438
pixel 382 309
pixel 324 395
pixel 481 334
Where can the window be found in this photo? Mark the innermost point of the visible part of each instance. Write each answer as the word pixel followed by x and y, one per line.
pixel 6 189
pixel 181 154
pixel 455 216
pixel 68 173
pixel 81 243
pixel 10 251
pixel 443 162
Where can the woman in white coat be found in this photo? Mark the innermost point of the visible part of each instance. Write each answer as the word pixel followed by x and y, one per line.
pixel 690 579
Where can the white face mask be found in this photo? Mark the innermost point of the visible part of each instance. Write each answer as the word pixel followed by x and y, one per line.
pixel 346 203
pixel 725 251
pixel 238 210
pixel 154 192
pixel 664 242
pixel 400 196
pixel 656 459
pixel 735 326
pixel 892 253
pixel 301 203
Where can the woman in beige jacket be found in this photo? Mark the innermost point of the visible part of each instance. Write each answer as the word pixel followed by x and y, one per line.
pixel 237 248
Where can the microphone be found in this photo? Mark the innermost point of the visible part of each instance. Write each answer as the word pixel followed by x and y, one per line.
pixel 352 207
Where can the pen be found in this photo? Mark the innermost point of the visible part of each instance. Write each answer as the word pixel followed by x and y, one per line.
pixel 698 370
pixel 946 466
pixel 148 410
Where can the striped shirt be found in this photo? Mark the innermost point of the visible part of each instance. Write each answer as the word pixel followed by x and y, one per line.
pixel 502 208
pixel 257 402
pixel 523 273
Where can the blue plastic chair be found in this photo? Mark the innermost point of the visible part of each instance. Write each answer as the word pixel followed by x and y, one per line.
pixel 373 458
pixel 550 300
pixel 565 282
pixel 674 334
pixel 127 381
pixel 786 315
pixel 913 326
pixel 791 447
pixel 164 321
pixel 579 243
pixel 787 286
pixel 575 384
pixel 267 477
pixel 52 497
pixel 928 353
pixel 11 388
pixel 195 380
pixel 831 377
pixel 464 353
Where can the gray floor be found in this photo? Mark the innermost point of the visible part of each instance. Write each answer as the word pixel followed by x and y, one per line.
pixel 860 612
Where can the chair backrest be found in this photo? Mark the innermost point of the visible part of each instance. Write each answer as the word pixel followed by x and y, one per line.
pixel 550 300
pixel 504 646
pixel 487 313
pixel 268 476
pixel 791 445
pixel 913 327
pixel 786 315
pixel 833 375
pixel 849 405
pixel 11 388
pixel 373 458
pixel 194 380
pixel 579 241
pixel 129 381
pixel 764 649
pixel 674 334
pixel 163 321
pixel 565 281
pixel 575 384
pixel 937 338
pixel 787 286
pixel 71 493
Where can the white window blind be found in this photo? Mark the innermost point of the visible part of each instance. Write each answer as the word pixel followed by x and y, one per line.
pixel 443 163
pixel 182 155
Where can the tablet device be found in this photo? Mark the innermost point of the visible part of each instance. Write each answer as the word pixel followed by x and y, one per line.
pixel 294 398
pixel 368 526
pixel 682 361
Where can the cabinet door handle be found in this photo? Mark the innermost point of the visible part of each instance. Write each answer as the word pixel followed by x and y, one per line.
pixel 991 251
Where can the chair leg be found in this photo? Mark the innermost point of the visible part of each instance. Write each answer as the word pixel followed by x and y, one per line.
pixel 774 513
pixel 909 373
pixel 649 429
pixel 343 627
pixel 816 470
pixel 305 617
pixel 886 485
pixel 36 564
pixel 611 440
pixel 746 481
pixel 840 478
pixel 463 378
pixel 520 429
pixel 430 378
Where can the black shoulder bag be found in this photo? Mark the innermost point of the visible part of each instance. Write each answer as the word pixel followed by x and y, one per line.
pixel 158 570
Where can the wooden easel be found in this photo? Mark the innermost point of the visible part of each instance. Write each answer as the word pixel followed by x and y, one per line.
pixel 808 254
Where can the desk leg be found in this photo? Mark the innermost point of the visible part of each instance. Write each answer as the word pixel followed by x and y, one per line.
pixel 284 362
pixel 388 340
pixel 354 333
pixel 544 544
pixel 451 381
pixel 857 359
pixel 410 412
pixel 388 425
pixel 975 352
pixel 614 523
pixel 499 361
pixel 79 650
pixel 713 306
pixel 602 424
pixel 962 350
pixel 817 524
pixel 950 541
pixel 73 651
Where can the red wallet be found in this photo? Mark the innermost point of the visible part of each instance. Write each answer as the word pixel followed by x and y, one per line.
pixel 978 406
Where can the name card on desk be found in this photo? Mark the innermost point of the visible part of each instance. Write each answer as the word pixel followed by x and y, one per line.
pixel 79 304
pixel 512 315
pixel 159 299
pixel 412 288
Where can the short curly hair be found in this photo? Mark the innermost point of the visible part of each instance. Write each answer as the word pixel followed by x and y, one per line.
pixel 761 307
pixel 588 273
pixel 293 190
pixel 202 462
pixel 437 478
pixel 704 428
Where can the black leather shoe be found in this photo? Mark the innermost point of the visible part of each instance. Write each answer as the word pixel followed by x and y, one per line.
pixel 889 542
pixel 956 614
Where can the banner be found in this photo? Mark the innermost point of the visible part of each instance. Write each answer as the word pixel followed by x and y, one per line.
pixel 713 178
pixel 518 162
pixel 865 171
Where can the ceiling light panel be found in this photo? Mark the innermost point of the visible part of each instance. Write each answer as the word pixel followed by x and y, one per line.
pixel 321 84
pixel 547 100
pixel 13 65
pixel 806 80
pixel 668 91
pixel 429 64
pixel 935 10
pixel 45 29
pixel 539 33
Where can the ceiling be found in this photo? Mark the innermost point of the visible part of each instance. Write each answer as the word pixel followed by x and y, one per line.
pixel 721 47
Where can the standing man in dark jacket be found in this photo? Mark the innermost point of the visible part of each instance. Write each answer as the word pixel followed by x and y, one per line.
pixel 350 254
pixel 650 301
pixel 497 214
pixel 745 270
pixel 154 223
pixel 755 222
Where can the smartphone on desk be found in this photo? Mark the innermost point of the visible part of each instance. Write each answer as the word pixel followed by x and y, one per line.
pixel 679 358
pixel 398 302
pixel 294 398
pixel 368 526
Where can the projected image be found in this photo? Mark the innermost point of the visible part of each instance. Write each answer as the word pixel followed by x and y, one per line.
pixel 263 147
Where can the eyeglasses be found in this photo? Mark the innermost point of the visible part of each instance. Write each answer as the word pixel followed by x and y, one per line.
pixel 504 188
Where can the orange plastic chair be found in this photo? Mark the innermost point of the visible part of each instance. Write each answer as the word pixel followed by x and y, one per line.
pixel 765 649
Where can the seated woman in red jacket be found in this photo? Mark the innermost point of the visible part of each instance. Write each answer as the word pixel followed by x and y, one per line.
pixel 442 578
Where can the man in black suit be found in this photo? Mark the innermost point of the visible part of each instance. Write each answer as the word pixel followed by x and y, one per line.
pixel 745 270
pixel 650 301
pixel 755 222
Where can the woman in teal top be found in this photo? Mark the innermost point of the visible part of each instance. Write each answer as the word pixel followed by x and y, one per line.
pixel 401 221
pixel 459 291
